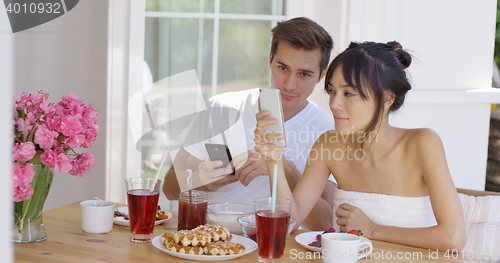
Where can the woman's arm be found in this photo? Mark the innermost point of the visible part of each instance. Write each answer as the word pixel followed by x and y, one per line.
pixel 449 233
pixel 310 186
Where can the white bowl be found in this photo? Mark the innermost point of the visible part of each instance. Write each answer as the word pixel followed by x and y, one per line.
pixel 226 214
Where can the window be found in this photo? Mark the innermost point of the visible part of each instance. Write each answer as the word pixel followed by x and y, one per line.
pixel 226 42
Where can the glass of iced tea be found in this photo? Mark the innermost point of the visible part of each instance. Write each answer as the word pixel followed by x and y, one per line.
pixel 272 227
pixel 192 209
pixel 142 206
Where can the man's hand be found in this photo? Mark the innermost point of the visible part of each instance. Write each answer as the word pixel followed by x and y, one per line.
pixel 212 187
pixel 212 178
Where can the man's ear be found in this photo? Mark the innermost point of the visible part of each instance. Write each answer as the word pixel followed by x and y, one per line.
pixel 323 73
pixel 270 58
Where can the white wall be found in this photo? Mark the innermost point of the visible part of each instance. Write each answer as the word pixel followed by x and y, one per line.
pixel 452 43
pixel 6 77
pixel 69 55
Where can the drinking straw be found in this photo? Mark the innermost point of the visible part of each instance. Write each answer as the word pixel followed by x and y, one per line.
pixel 189 182
pixel 158 172
pixel 273 192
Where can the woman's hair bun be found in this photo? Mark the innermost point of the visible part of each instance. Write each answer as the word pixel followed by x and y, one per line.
pixel 403 56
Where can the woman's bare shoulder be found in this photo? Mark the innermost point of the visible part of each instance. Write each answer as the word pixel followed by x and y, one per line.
pixel 422 139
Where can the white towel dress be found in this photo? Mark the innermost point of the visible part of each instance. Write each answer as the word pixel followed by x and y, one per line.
pixel 391 210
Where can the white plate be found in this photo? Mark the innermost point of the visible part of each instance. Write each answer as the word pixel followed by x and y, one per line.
pixel 305 239
pixel 121 221
pixel 249 245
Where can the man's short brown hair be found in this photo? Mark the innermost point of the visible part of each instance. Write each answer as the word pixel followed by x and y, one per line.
pixel 302 32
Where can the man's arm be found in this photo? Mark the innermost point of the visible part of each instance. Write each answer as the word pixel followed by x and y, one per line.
pixel 171 186
pixel 184 161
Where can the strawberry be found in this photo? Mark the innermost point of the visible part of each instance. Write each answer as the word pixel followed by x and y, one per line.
pixel 354 232
pixel 318 237
pixel 331 230
pixel 163 217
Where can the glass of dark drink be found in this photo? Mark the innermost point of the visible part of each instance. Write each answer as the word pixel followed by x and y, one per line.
pixel 192 209
pixel 272 227
pixel 142 206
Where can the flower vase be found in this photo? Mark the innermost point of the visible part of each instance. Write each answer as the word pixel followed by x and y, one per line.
pixel 28 224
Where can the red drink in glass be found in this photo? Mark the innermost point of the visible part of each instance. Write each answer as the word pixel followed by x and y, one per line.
pixel 271 233
pixel 142 206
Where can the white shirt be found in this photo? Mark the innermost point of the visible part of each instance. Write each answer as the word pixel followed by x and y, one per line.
pixel 302 130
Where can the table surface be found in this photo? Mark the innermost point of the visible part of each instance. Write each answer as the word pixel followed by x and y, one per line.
pixel 67 242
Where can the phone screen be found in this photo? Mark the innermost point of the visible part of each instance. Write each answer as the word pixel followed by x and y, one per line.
pixel 219 152
pixel 270 100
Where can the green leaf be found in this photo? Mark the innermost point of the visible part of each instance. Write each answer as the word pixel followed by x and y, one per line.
pixel 36 159
pixel 18 134
pixel 21 113
pixel 32 134
pixel 25 131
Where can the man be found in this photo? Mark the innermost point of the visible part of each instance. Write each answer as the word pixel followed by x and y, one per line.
pixel 300 52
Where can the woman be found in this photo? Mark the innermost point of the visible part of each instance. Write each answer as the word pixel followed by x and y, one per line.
pixel 393 183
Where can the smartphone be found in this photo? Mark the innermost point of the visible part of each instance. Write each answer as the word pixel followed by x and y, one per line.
pixel 270 100
pixel 219 152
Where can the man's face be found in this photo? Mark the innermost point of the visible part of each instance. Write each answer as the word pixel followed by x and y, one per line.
pixel 295 72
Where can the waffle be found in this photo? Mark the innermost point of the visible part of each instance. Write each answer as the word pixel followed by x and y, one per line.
pixel 217 233
pixel 168 240
pixel 223 248
pixel 205 239
pixel 192 237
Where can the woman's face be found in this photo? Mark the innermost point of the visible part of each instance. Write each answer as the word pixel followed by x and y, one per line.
pixel 351 112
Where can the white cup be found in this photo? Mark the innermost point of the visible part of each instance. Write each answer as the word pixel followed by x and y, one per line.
pixel 97 216
pixel 343 248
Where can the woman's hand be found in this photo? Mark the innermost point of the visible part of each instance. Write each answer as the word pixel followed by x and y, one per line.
pixel 351 217
pixel 263 139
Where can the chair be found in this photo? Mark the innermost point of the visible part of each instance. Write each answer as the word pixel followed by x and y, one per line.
pixel 481 211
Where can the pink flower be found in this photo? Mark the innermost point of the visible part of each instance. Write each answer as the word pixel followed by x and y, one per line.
pixel 21 181
pixel 49 157
pixel 22 193
pixel 90 136
pixel 63 163
pixel 44 105
pixel 75 141
pixel 45 138
pixel 55 130
pixel 82 164
pixel 24 152
pixel 70 97
pixel 23 174
pixel 70 125
pixel 90 116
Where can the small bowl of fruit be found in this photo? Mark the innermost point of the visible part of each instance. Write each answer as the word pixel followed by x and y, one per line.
pixel 249 228
pixel 121 216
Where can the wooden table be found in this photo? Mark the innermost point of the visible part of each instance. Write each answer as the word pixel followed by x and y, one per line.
pixel 67 242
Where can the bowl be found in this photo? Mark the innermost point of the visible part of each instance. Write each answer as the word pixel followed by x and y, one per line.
pixel 248 227
pixel 225 214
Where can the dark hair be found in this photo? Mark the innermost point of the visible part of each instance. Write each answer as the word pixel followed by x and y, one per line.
pixel 303 33
pixel 374 68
